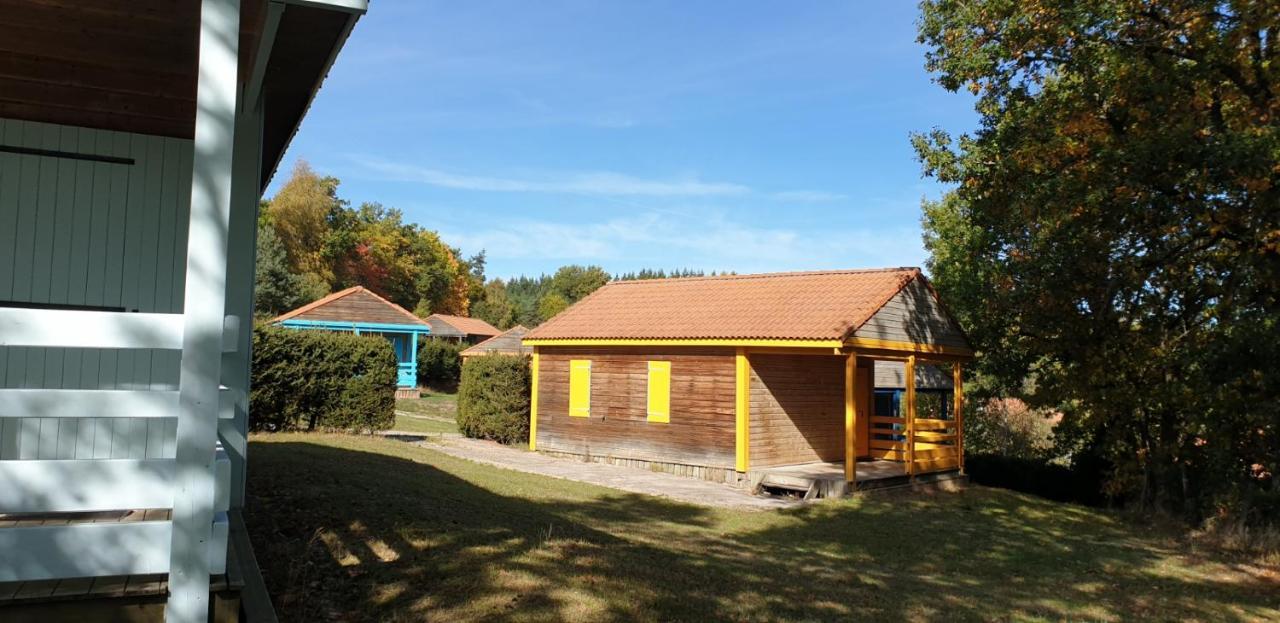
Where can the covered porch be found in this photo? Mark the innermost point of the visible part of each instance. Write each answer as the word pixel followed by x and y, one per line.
pixel 136 138
pixel 824 424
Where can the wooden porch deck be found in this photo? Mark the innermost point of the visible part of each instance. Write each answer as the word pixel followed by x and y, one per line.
pixel 135 598
pixel 824 480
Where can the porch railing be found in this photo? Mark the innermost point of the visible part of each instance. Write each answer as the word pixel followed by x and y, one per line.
pixel 41 535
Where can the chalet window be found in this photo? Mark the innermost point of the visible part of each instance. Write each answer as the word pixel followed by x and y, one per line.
pixel 660 391
pixel 580 387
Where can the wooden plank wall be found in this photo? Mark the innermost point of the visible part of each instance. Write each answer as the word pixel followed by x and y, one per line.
pixel 358 307
pixel 913 315
pixel 701 431
pixel 81 232
pixel 797 409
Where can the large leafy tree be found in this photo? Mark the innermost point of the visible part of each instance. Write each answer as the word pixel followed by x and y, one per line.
pixel 300 212
pixel 1113 237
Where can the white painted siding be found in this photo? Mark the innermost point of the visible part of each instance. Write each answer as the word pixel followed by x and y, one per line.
pixel 82 232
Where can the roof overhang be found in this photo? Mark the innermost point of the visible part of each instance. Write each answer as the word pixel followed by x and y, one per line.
pixel 879 349
pixel 131 67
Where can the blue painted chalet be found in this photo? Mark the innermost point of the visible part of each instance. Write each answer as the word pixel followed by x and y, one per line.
pixel 362 312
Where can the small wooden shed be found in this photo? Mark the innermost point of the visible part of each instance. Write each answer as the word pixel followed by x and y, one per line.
pixel 461 329
pixel 508 342
pixel 751 378
pixel 360 311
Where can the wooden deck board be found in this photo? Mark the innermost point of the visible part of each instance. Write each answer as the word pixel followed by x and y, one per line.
pixel 867 470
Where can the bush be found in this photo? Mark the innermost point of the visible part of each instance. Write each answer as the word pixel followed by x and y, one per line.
pixel 493 398
pixel 1079 484
pixel 1008 427
pixel 307 380
pixel 439 363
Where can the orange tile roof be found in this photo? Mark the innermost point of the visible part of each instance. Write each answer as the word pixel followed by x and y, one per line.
pixel 412 319
pixel 820 305
pixel 469 326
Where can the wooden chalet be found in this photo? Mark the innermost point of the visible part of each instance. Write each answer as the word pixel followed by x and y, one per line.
pixel 362 312
pixel 509 342
pixel 760 380
pixel 136 138
pixel 461 329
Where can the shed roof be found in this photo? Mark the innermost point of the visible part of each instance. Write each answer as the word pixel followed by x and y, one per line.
pixel 460 325
pixel 355 304
pixel 820 305
pixel 506 343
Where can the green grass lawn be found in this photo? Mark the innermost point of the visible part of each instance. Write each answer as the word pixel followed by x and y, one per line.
pixel 436 413
pixel 356 528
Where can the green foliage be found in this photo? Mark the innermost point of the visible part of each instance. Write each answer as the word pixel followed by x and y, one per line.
pixel 1114 231
pixel 439 363
pixel 307 380
pixel 493 398
pixel 551 304
pixel 494 306
pixel 647 273
pixel 1007 427
pixel 276 288
pixel 537 299
pixel 329 246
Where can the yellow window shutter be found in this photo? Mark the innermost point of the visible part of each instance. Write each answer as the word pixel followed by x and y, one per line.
pixel 580 387
pixel 660 391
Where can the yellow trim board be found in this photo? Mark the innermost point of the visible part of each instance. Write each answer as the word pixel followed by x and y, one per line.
pixel 742 409
pixel 699 342
pixel 866 342
pixel 533 404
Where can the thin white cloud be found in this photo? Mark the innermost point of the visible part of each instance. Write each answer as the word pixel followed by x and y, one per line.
pixel 581 183
pixel 710 242
pixel 814 196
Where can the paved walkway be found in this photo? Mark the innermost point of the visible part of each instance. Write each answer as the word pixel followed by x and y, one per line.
pixel 690 490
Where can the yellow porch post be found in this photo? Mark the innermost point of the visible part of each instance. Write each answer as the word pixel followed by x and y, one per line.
pixel 911 415
pixel 742 408
pixel 533 403
pixel 850 421
pixel 957 403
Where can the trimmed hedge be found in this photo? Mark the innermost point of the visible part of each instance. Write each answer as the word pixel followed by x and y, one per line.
pixel 307 380
pixel 440 363
pixel 493 398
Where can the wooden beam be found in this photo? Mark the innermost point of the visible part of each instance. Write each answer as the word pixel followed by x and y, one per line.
pixel 850 420
pixel 88 485
pixel 957 408
pixel 253 88
pixel 104 403
pixel 87 550
pixel 742 407
pixel 911 414
pixel 204 304
pixel 54 328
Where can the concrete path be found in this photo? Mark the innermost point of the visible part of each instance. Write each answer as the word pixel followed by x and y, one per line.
pixel 689 490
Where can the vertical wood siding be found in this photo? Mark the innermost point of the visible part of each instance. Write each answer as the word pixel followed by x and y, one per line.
pixel 913 315
pixel 701 427
pixel 797 409
pixel 83 232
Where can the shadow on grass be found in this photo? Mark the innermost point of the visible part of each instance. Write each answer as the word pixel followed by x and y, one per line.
pixel 352 535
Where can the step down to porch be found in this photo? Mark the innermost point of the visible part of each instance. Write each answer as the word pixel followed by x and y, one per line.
pixel 800 486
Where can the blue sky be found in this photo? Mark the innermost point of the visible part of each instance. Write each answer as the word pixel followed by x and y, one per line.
pixel 717 135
